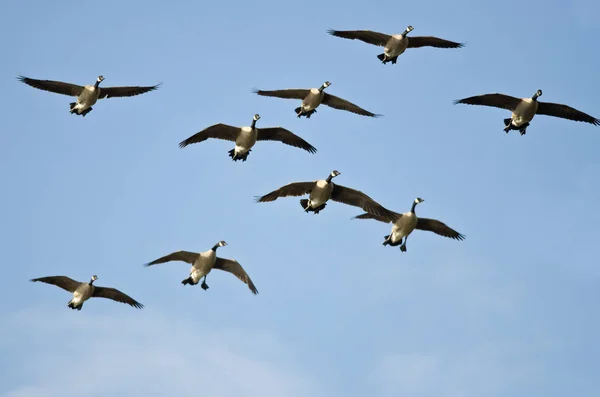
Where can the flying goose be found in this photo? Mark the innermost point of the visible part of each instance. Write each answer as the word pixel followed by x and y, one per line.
pixel 394 45
pixel 323 190
pixel 312 98
pixel 203 262
pixel 86 95
pixel 246 137
pixel 404 224
pixel 84 291
pixel 524 109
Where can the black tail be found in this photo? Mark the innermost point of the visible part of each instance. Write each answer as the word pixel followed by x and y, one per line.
pixel 236 157
pixel 381 57
pixel 387 241
pixel 188 281
pixel 72 105
pixel 304 203
pixel 72 306
pixel 298 110
pixel 507 122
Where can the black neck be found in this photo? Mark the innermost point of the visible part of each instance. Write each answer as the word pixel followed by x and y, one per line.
pixel 412 209
pixel 329 178
pixel 97 83
pixel 253 125
pixel 214 248
pixel 321 88
pixel 91 282
pixel 534 98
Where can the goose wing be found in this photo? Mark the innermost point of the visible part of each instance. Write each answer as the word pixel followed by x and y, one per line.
pixel 430 41
pixel 218 131
pixel 494 100
pixel 440 228
pixel 184 256
pixel 342 104
pixel 64 282
pixel 349 196
pixel 284 136
pixel 383 219
pixel 292 93
pixel 368 36
pixel 111 92
pixel 565 112
pixel 58 87
pixel 292 189
pixel 237 270
pixel 116 295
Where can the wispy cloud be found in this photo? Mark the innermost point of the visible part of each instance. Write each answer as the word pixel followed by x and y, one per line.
pixel 151 355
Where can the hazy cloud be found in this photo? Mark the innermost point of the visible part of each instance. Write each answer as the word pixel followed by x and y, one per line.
pixel 151 355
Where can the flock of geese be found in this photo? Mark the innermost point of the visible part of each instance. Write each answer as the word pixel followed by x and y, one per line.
pixel 319 192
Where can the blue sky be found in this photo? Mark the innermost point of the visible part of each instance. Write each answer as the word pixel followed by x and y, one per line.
pixel 512 310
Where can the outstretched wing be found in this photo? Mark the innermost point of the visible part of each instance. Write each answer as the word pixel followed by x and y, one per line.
pixel 430 41
pixel 292 189
pixel 357 198
pixel 284 136
pixel 440 228
pixel 565 112
pixel 342 104
pixel 494 100
pixel 383 219
pixel 218 131
pixel 64 282
pixel 367 36
pixel 184 256
pixel 116 295
pixel 58 87
pixel 237 270
pixel 112 92
pixel 292 93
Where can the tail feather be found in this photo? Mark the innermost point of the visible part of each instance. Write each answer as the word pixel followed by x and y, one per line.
pixel 304 203
pixel 187 281
pixel 387 240
pixel 381 57
pixel 507 122
pixel 231 153
pixel 298 110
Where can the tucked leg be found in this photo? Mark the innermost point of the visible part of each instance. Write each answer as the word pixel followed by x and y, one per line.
pixel 204 285
pixel 403 246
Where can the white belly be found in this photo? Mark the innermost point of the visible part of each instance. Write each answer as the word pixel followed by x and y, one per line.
pixel 77 298
pixel 196 275
pixel 524 112
pixel 317 201
pixel 396 47
pixel 245 140
pixel 405 227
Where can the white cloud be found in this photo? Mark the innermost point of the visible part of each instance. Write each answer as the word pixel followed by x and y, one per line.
pixel 150 355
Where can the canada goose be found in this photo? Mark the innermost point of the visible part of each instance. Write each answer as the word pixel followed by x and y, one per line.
pixel 404 224
pixel 84 291
pixel 524 109
pixel 246 137
pixel 86 95
pixel 203 262
pixel 323 190
pixel 312 98
pixel 394 45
